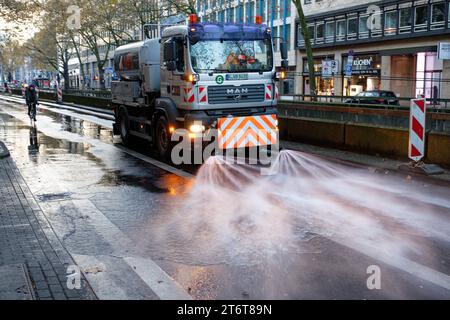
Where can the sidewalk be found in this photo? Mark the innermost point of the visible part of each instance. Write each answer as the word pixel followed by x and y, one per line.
pixel 33 262
pixel 376 162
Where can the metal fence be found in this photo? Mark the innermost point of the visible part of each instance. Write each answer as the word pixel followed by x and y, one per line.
pixel 437 105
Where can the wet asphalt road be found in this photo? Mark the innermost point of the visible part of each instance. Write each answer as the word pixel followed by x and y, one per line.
pixel 123 220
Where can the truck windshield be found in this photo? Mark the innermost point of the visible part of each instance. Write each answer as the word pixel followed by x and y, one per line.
pixel 231 56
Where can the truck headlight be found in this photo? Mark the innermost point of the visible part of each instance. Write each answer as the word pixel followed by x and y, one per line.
pixel 197 128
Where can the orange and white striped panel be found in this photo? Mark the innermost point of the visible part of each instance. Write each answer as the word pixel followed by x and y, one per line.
pixel 246 132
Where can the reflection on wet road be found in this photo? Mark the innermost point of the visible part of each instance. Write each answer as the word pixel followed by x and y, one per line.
pixel 112 209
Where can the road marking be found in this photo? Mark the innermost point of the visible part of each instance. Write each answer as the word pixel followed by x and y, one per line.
pixel 416 269
pixel 160 282
pixel 150 273
pixel 59 106
pixel 156 163
pixel 111 278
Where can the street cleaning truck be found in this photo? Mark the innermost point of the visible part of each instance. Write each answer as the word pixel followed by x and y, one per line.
pixel 199 77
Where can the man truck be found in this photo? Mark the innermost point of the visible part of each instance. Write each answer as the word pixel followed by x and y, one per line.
pixel 199 77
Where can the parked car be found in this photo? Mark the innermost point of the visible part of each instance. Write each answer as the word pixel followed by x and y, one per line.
pixel 374 97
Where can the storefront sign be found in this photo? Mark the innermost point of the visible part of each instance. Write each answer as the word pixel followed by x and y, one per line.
pixel 349 66
pixel 331 65
pixel 327 69
pixel 444 50
pixel 362 65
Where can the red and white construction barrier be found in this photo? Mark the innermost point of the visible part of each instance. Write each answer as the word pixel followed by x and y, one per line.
pixel 417 129
pixel 59 93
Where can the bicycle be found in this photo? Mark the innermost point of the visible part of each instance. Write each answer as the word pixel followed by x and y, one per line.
pixel 32 114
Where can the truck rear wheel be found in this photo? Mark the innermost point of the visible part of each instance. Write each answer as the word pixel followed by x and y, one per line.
pixel 124 127
pixel 163 139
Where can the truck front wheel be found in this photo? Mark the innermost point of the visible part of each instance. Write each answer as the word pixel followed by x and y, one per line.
pixel 163 139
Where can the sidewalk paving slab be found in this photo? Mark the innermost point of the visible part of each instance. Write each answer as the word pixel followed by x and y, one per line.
pixel 27 239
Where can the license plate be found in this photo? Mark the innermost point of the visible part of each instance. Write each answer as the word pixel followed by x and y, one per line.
pixel 235 77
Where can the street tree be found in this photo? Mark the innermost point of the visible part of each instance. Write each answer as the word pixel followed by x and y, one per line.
pixel 308 46
pixel 51 47
pixel 11 57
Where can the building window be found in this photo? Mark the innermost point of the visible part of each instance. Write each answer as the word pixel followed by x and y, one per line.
pixel 288 8
pixel 437 16
pixel 288 36
pixel 405 20
pixel 311 32
pixel 352 28
pixel 340 35
pixel 329 31
pixel 262 8
pixel 300 39
pixel 285 33
pixel 363 28
pixel 307 1
pixel 421 18
pixel 276 41
pixel 390 23
pixel 320 30
pixel 249 11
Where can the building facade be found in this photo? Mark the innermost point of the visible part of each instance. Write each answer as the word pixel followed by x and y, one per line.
pixel 280 15
pixel 393 45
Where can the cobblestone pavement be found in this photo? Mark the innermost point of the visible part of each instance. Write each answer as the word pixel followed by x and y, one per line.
pixel 27 238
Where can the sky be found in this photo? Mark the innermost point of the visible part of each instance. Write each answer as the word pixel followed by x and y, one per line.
pixel 24 30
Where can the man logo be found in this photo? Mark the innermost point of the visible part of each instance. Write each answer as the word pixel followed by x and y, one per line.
pixel 237 91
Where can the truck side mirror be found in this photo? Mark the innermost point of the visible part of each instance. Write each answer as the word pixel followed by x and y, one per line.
pixel 171 65
pixel 285 64
pixel 169 51
pixel 283 50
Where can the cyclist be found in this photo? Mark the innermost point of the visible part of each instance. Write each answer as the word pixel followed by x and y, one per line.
pixel 32 100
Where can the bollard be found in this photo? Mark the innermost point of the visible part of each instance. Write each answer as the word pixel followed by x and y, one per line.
pixel 59 96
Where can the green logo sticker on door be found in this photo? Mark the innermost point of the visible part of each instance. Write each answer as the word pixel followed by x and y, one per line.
pixel 220 79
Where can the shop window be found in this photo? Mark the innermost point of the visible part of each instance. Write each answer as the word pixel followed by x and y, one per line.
pixel 421 18
pixel 363 28
pixel 352 28
pixel 437 16
pixel 340 34
pixel 390 23
pixel 320 30
pixel 329 31
pixel 405 20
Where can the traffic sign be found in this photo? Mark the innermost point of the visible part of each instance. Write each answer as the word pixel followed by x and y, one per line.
pixel 349 66
pixel 416 146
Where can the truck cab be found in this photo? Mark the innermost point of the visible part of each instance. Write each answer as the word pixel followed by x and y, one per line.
pixel 210 76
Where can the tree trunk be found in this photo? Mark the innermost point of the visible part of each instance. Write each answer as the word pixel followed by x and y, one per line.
pixel 66 75
pixel 308 47
pixel 101 76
